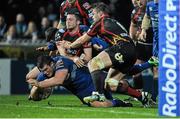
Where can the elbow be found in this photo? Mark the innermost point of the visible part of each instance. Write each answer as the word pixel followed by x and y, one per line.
pixel 28 76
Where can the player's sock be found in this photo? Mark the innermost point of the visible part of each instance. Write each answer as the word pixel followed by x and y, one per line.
pixel 154 90
pixel 138 81
pixel 139 68
pixel 128 90
pixel 98 81
pixel 133 92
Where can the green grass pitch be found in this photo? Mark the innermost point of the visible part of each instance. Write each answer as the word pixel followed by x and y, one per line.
pixel 67 106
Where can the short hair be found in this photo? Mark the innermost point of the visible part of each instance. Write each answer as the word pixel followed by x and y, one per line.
pixel 50 33
pixel 43 60
pixel 101 7
pixel 75 12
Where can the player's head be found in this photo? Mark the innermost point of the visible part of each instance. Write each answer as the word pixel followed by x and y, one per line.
pixel 50 33
pixel 46 65
pixel 100 9
pixel 141 3
pixel 72 20
pixel 71 1
pixel 134 2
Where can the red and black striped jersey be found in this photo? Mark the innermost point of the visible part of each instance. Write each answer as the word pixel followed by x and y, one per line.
pixel 67 36
pixel 110 30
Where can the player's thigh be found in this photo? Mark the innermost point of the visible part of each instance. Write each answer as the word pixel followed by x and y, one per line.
pixel 123 56
pixel 101 61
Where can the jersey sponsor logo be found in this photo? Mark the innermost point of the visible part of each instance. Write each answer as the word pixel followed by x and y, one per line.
pixel 119 57
pixel 117 38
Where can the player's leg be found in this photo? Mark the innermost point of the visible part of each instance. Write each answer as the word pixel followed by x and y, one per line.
pixel 95 66
pixel 123 87
pixel 155 73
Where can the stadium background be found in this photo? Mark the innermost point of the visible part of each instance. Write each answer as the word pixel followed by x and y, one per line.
pixel 18 57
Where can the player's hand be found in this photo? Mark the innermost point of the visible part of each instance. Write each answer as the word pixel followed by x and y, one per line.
pixel 97 47
pixel 40 49
pixel 33 82
pixel 79 62
pixel 67 45
pixel 63 43
pixel 142 35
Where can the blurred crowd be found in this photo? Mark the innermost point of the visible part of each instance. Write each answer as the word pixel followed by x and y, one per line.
pixel 30 18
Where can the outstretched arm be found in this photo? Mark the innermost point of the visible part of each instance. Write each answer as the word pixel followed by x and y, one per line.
pixel 58 79
pixel 81 40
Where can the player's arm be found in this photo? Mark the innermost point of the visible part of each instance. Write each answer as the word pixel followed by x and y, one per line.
pixel 43 48
pixel 87 56
pixel 58 79
pixel 106 103
pixel 85 37
pixel 133 30
pixel 33 73
pixel 111 103
pixel 81 40
pixel 61 23
pixel 145 25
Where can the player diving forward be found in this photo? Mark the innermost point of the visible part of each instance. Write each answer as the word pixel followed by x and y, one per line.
pixel 63 71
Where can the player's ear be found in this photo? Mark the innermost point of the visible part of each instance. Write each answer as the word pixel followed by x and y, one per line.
pixel 78 22
pixel 52 64
pixel 100 13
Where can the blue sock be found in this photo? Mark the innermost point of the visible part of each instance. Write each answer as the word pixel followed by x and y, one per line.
pixel 120 103
pixel 139 68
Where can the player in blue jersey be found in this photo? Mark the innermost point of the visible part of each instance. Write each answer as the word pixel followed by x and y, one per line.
pixel 62 71
pixel 151 18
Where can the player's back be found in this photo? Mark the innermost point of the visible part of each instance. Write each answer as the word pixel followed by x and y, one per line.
pixel 79 81
pixel 114 31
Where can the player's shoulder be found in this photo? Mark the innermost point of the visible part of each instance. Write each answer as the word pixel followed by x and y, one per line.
pixel 86 4
pixel 61 62
pixel 150 3
pixel 83 28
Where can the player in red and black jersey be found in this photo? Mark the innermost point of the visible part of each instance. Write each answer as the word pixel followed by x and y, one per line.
pixel 143 48
pixel 73 30
pixel 83 7
pixel 119 57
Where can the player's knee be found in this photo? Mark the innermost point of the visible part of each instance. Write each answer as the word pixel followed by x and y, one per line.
pixel 112 84
pixel 122 86
pixel 95 64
